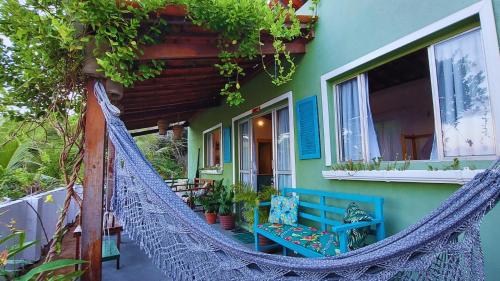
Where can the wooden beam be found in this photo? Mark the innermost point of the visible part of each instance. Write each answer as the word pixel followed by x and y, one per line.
pixel 183 84
pixel 93 184
pixel 153 104
pixel 167 51
pixel 167 111
pixel 151 121
pixel 172 91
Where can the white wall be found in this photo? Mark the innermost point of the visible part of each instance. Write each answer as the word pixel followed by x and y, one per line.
pixel 26 219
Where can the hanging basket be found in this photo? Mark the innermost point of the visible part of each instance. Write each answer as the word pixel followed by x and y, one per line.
pixel 178 132
pixel 114 90
pixel 162 127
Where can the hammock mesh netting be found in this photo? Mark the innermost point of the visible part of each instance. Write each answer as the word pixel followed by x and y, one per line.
pixel 445 245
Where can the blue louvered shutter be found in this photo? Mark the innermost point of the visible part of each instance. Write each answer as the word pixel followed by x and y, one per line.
pixel 226 138
pixel 308 128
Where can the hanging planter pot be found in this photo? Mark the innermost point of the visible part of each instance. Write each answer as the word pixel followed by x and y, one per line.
pixel 162 127
pixel 90 65
pixel 114 90
pixel 178 132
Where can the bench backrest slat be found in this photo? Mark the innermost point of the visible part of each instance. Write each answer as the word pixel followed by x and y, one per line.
pixel 324 208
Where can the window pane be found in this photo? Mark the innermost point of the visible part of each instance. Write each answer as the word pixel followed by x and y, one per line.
pixel 245 146
pixel 283 141
pixel 284 181
pixel 464 99
pixel 350 126
pixel 212 148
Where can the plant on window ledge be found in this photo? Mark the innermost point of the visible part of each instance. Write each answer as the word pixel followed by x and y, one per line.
pixel 454 165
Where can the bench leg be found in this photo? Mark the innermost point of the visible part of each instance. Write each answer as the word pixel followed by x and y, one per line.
pixel 343 242
pixel 118 263
pixel 257 247
pixel 380 231
pixel 284 251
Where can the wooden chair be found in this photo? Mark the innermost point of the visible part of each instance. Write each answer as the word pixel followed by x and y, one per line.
pixel 110 248
pixel 411 153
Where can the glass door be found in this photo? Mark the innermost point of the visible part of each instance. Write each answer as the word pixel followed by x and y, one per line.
pixel 265 145
pixel 282 142
pixel 245 152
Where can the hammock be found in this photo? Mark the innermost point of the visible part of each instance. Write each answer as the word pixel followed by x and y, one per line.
pixel 445 245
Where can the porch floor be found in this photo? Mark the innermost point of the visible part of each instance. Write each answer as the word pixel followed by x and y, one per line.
pixel 134 263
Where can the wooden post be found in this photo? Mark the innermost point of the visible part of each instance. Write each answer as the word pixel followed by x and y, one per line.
pixel 95 134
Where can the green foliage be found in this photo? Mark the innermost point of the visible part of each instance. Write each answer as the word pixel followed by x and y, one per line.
pixel 29 163
pixel 375 165
pixel 454 165
pixel 211 200
pixel 168 156
pixel 250 199
pixel 18 244
pixel 226 200
pixel 241 24
pixel 49 41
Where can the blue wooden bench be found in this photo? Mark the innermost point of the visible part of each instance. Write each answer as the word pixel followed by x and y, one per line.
pixel 316 208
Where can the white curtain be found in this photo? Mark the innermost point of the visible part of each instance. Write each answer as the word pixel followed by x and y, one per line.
pixel 464 99
pixel 283 149
pixel 350 121
pixel 373 146
pixel 245 152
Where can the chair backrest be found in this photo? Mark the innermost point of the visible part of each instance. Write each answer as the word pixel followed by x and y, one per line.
pixel 200 181
pixel 326 210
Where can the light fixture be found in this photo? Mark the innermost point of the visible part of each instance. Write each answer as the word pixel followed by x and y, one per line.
pixel 260 123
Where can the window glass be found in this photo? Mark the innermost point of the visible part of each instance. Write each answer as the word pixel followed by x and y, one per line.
pixel 464 98
pixel 213 148
pixel 349 121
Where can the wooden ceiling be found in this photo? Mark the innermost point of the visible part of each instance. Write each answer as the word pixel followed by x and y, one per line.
pixel 190 82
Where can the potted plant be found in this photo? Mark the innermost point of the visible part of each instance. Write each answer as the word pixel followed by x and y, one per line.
pixel 249 198
pixel 226 207
pixel 210 203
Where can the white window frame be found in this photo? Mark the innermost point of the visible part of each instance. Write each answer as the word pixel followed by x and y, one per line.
pixel 235 124
pixel 221 164
pixel 484 9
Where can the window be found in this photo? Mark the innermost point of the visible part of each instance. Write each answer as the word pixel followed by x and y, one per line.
pixel 463 97
pixel 429 105
pixel 212 147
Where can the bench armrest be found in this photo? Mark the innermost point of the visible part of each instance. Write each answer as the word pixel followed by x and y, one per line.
pixel 354 225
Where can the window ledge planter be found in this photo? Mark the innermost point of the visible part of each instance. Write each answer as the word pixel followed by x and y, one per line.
pixel 212 172
pixel 422 176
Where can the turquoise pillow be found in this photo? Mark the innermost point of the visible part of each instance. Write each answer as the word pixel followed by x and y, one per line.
pixel 356 236
pixel 284 210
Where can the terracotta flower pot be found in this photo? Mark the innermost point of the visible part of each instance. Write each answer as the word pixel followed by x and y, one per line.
pixel 227 222
pixel 211 218
pixel 264 241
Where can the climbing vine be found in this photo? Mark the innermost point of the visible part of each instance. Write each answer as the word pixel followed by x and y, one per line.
pixel 49 41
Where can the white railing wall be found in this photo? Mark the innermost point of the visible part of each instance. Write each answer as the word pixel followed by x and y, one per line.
pixel 26 219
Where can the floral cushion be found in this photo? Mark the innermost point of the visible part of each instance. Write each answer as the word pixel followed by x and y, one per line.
pixel 356 237
pixel 323 242
pixel 284 210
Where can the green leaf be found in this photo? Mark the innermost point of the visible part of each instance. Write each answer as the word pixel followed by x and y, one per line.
pixel 49 267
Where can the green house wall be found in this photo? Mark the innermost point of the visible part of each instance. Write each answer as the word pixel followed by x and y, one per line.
pixel 347 30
